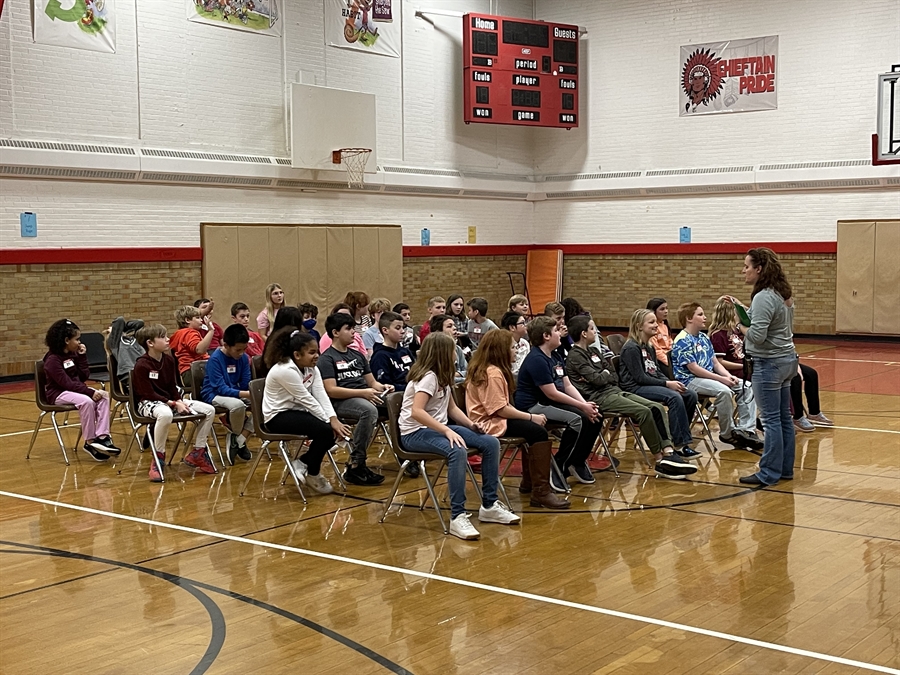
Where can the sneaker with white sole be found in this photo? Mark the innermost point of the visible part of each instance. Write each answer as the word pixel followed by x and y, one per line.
pixel 109 447
pixel 804 425
pixel 674 467
pixel 91 449
pixel 582 473
pixel 462 528
pixel 557 482
pixel 498 513
pixel 820 421
pixel 319 484
pixel 301 470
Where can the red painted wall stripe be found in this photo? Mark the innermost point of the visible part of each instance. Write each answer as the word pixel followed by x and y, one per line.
pixel 75 256
pixel 621 249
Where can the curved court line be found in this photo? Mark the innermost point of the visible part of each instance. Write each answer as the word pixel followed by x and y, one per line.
pixel 472 584
pixel 218 620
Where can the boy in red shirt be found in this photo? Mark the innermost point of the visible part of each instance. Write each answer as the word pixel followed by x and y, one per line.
pixel 240 313
pixel 155 384
pixel 188 343
pixel 206 306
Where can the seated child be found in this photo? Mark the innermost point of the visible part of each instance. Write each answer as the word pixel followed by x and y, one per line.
pixel 478 324
pixel 274 302
pixel 662 341
pixel 295 402
pixel 358 345
pixel 518 304
pixel 310 315
pixel 358 302
pixel 372 335
pixel 390 363
pixel 155 381
pixel 444 323
pixel 557 312
pixel 436 307
pixel 515 323
pixel 594 376
pixel 354 393
pixel 695 365
pixel 240 314
pixel 543 388
pixel 206 306
pixel 410 339
pixel 227 385
pixel 425 426
pixel 188 343
pixel 66 368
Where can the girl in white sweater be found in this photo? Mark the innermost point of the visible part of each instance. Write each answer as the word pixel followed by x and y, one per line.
pixel 295 402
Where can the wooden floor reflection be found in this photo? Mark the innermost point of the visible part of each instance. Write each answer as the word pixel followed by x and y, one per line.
pixel 812 564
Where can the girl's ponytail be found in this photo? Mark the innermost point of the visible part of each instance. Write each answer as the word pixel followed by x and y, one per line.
pixel 282 345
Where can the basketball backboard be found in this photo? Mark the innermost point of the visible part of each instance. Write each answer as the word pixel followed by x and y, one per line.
pixel 324 119
pixel 886 143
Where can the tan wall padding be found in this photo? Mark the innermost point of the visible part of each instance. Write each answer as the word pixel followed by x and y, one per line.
pixel 886 300
pixel 855 277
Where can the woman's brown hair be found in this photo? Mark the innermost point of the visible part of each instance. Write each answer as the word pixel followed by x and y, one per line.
pixel 493 350
pixel 771 274
pixel 437 355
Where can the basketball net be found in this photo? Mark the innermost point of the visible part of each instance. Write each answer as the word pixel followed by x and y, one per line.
pixel 354 161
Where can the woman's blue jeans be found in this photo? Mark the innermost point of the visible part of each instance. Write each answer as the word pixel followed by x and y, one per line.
pixel 772 390
pixel 428 440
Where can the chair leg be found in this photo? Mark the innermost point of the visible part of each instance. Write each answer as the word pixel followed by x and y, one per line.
pixel 396 486
pixel 282 449
pixel 474 482
pixel 253 468
pixel 554 467
pixel 160 463
pixel 37 427
pixel 437 477
pixel 707 434
pixel 601 442
pixel 638 441
pixel 337 470
pixel 430 488
pixel 218 448
pixel 515 452
pixel 62 446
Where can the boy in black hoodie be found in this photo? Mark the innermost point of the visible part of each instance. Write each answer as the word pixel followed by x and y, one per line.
pixel 390 362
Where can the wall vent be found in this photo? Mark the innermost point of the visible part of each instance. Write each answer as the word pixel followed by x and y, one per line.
pixel 819 184
pixel 484 175
pixel 494 193
pixel 892 181
pixel 45 172
pixel 283 161
pixel 591 176
pixel 69 147
pixel 815 165
pixel 181 154
pixel 695 172
pixel 411 189
pixel 581 194
pixel 699 189
pixel 200 179
pixel 420 172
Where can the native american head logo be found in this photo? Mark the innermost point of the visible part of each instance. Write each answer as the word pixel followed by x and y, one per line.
pixel 700 78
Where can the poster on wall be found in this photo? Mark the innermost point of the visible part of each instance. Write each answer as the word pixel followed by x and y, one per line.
pixel 79 24
pixel 253 16
pixel 730 76
pixel 365 25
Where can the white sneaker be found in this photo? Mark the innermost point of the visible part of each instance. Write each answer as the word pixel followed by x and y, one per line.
pixel 462 528
pixel 319 484
pixel 300 469
pixel 498 513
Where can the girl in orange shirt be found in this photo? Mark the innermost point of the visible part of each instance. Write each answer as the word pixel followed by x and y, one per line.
pixel 662 341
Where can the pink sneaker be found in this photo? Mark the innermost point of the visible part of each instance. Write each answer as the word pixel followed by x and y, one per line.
pixel 155 476
pixel 199 459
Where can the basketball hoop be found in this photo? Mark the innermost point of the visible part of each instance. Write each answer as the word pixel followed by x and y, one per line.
pixel 354 160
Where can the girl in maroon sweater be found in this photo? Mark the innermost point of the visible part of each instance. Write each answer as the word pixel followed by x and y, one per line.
pixel 67 370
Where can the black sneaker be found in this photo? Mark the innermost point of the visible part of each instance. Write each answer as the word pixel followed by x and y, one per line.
pixel 581 473
pixel 672 467
pixel 687 452
pixel 108 446
pixel 751 440
pixel 244 453
pixel 412 470
pixel 96 454
pixel 362 475
pixel 231 442
pixel 557 484
pixel 733 439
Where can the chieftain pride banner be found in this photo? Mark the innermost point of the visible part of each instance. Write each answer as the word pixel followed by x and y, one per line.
pixel 732 76
pixel 364 25
pixel 253 16
pixel 80 24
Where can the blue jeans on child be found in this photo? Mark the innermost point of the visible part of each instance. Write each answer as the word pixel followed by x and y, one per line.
pixel 680 408
pixel 428 440
pixel 772 389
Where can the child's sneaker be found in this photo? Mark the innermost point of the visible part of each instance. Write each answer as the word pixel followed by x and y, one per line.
pixel 300 469
pixel 199 459
pixel 96 454
pixel 362 475
pixel 498 513
pixel 462 528
pixel 804 425
pixel 108 447
pixel 243 452
pixel 155 476
pixel 820 421
pixel 319 484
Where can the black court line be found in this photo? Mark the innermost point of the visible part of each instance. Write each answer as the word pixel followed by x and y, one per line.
pixel 216 616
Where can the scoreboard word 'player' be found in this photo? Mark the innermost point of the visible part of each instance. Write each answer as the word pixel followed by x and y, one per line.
pixel 520 72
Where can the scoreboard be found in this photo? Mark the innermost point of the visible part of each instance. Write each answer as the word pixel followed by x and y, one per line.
pixel 520 72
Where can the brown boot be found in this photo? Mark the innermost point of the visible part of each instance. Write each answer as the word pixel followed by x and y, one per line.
pixel 539 457
pixel 524 457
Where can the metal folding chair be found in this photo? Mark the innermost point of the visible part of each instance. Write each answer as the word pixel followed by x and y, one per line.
pixel 40 399
pixel 96 357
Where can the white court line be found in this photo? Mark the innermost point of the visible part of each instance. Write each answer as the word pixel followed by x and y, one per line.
pixel 877 431
pixel 472 584
pixel 825 358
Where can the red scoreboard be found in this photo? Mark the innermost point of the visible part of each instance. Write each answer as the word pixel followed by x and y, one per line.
pixel 520 72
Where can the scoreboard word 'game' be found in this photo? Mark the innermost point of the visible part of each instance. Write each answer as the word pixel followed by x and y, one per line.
pixel 520 72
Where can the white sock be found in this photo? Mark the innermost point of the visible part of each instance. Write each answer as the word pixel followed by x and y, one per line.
pixel 241 440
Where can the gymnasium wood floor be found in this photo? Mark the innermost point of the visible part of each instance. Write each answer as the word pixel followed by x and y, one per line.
pixel 107 573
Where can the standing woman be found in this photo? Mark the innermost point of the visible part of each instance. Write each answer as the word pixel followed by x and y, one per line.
pixel 489 385
pixel 274 302
pixel 769 340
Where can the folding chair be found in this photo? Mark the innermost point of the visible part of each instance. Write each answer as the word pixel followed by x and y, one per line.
pixel 138 421
pixel 393 401
pixel 96 357
pixel 198 374
pixel 257 367
pixel 615 342
pixel 702 402
pixel 40 399
pixel 257 388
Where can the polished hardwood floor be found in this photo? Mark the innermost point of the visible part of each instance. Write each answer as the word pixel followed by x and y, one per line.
pixel 108 573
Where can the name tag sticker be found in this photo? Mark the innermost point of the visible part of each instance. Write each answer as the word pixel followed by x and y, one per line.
pixel 559 371
pixel 68 363
pixel 252 341
pixel 644 353
pixel 154 375
pixel 342 365
pixel 231 369
pixel 477 329
pixel 406 358
pixel 595 358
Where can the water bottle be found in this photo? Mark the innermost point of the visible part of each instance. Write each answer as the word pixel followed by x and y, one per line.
pixel 426 237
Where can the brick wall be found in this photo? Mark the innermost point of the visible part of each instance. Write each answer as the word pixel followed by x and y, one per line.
pixel 613 286
pixel 90 295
